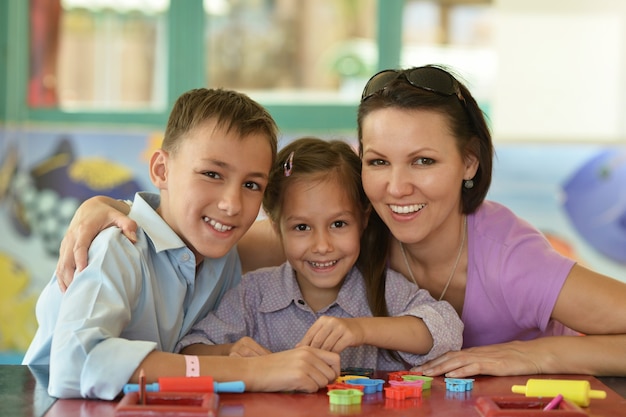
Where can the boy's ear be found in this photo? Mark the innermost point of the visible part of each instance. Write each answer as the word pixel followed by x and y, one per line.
pixel 158 169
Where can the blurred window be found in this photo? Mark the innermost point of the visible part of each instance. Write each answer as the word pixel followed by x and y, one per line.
pixel 456 33
pixel 291 50
pixel 98 55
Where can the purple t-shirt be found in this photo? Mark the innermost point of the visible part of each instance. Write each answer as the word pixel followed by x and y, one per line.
pixel 514 277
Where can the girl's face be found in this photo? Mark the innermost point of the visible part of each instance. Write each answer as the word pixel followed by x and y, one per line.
pixel 320 229
pixel 413 171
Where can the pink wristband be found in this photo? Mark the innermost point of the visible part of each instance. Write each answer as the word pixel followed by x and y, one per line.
pixel 192 365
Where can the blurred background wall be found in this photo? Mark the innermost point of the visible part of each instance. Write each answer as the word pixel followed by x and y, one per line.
pixel 86 87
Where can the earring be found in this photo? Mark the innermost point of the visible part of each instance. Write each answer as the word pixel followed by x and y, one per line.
pixel 468 184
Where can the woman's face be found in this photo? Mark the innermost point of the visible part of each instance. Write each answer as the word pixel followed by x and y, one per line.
pixel 413 171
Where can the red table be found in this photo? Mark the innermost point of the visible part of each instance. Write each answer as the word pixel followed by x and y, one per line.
pixel 435 402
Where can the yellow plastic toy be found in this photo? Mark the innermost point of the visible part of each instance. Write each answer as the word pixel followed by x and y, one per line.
pixel 578 392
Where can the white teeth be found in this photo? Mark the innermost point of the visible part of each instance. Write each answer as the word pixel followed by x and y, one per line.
pixel 406 209
pixel 217 225
pixel 322 264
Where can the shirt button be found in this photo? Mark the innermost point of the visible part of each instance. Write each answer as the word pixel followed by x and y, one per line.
pixel 301 302
pixel 185 257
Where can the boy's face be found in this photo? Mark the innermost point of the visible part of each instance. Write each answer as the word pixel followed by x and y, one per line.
pixel 320 228
pixel 212 186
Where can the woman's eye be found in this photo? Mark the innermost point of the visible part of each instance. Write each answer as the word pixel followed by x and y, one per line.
pixel 377 162
pixel 424 161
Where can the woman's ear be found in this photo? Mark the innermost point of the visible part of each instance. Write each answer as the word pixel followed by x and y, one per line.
pixel 471 161
pixel 366 217
pixel 158 169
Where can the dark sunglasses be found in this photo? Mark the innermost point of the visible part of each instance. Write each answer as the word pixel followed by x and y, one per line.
pixel 431 79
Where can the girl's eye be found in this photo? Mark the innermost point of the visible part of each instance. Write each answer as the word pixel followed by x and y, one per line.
pixel 251 185
pixel 424 161
pixel 302 227
pixel 339 223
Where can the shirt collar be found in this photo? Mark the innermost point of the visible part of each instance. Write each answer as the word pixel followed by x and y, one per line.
pixel 281 289
pixel 143 211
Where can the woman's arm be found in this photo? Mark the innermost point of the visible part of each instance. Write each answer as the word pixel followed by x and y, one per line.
pixel 260 247
pixel 91 217
pixel 590 303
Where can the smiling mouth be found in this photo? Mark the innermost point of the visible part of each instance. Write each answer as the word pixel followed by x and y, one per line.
pixel 412 208
pixel 217 225
pixel 323 264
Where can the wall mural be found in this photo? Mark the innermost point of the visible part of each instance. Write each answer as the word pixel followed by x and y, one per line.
pixel 574 193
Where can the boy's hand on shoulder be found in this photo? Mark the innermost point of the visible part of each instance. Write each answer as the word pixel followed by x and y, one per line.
pixel 247 347
pixel 334 334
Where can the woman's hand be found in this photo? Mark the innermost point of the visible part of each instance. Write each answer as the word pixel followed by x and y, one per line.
pixel 91 217
pixel 513 358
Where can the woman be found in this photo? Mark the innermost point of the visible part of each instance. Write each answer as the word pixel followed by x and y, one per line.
pixel 427 161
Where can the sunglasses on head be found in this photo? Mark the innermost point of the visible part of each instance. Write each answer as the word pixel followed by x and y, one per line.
pixel 431 79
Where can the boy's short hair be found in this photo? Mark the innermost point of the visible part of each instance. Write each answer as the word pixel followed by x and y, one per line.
pixel 231 109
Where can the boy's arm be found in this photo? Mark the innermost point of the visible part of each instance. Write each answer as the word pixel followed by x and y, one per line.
pixel 204 349
pixel 87 338
pixel 244 347
pixel 91 217
pixel 304 369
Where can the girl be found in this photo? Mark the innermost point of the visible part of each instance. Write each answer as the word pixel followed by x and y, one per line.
pixel 317 206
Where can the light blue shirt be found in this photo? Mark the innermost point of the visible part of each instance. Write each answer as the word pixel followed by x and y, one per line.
pixel 130 300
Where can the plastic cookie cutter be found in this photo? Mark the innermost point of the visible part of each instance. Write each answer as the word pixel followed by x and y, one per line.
pixel 344 378
pixel 345 396
pixel 398 375
pixel 370 386
pixel 413 388
pixel 459 384
pixel 343 385
pixel 368 372
pixel 402 392
pixel 427 380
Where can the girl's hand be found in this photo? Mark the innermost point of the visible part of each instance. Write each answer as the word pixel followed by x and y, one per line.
pixel 334 334
pixel 511 358
pixel 247 347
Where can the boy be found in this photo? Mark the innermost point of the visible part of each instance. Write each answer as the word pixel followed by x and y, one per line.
pixel 129 307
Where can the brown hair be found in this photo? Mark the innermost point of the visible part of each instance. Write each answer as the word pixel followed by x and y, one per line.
pixel 313 159
pixel 468 125
pixel 231 109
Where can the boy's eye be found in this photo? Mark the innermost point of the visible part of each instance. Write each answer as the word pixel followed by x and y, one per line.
pixel 213 174
pixel 424 161
pixel 251 185
pixel 302 227
pixel 338 224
